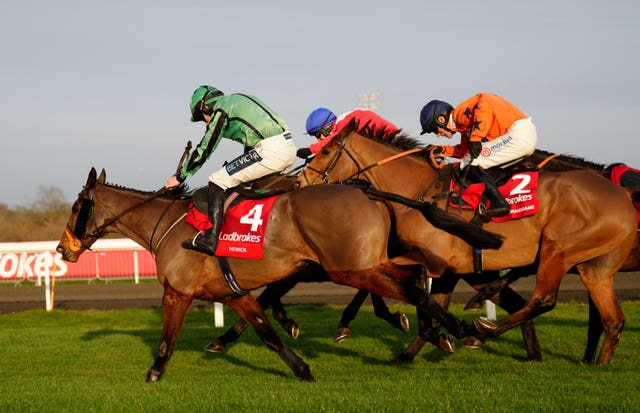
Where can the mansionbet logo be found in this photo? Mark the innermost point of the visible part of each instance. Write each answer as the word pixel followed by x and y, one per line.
pixel 24 265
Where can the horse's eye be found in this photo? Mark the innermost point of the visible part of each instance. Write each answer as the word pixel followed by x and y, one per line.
pixel 325 152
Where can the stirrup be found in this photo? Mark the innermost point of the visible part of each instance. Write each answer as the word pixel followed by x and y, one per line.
pixel 198 243
pixel 487 214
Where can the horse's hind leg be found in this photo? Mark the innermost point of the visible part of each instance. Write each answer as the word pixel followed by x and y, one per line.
pixel 597 276
pixel 593 333
pixel 175 306
pixel 248 308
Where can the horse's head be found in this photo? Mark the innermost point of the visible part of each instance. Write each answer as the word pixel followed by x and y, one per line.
pixel 334 163
pixel 75 239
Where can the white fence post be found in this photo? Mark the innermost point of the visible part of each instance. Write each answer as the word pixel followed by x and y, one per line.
pixel 218 315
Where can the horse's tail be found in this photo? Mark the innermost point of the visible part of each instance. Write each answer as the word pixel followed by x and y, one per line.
pixel 471 234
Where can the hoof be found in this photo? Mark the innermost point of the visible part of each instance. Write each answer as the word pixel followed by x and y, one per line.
pixel 403 321
pixel 474 304
pixel 446 344
pixel 293 330
pixel 473 342
pixel 484 325
pixel 216 346
pixel 341 334
pixel 153 376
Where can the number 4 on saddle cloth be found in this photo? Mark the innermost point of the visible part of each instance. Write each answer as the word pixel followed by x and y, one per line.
pixel 520 191
pixel 243 226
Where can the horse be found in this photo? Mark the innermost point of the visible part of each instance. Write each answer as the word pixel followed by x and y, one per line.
pixel 303 226
pixel 271 296
pixel 584 221
pixel 549 161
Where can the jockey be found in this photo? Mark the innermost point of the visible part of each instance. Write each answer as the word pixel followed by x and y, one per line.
pixel 323 124
pixel 268 148
pixel 494 133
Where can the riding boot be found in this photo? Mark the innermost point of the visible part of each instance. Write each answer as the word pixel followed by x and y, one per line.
pixel 498 205
pixel 208 241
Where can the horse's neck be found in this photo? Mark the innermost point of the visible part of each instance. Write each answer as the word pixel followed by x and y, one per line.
pixel 409 175
pixel 139 223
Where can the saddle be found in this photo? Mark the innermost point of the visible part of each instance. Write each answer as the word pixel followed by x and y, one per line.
pixel 239 193
pixel 459 188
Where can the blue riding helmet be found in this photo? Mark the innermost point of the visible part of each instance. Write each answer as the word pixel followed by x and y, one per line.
pixel 319 119
pixel 429 116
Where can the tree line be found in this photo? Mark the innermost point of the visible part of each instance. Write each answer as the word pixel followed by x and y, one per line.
pixel 42 219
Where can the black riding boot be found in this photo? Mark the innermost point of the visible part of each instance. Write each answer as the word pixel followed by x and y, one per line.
pixel 208 241
pixel 499 206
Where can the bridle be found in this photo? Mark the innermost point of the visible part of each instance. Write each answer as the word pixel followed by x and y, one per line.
pixel 78 236
pixel 435 161
pixel 332 164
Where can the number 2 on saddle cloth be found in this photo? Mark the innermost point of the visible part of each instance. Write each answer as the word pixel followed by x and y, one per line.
pixel 520 191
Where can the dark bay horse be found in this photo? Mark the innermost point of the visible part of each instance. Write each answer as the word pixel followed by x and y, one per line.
pixel 337 227
pixel 584 221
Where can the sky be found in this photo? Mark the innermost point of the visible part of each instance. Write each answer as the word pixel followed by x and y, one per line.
pixel 107 84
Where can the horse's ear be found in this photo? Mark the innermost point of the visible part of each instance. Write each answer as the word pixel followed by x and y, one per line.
pixel 352 126
pixel 103 177
pixel 91 179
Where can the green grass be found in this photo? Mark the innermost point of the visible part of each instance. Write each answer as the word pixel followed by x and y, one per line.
pixel 97 361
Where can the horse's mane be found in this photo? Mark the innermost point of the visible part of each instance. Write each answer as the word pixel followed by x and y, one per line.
pixel 399 139
pixel 182 191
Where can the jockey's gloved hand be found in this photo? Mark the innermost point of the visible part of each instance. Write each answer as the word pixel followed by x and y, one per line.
pixel 304 153
pixel 474 149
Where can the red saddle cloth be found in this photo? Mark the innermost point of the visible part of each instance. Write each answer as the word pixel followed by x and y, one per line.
pixel 628 177
pixel 243 227
pixel 521 192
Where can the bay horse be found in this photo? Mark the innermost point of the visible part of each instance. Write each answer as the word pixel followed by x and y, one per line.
pixel 271 296
pixel 309 225
pixel 584 221
pixel 548 161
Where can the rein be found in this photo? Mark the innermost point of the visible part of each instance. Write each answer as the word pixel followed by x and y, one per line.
pixel 79 241
pixel 547 160
pixel 98 232
pixel 342 149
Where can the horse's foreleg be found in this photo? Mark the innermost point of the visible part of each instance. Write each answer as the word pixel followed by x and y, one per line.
pixel 510 301
pixel 550 272
pixel 175 305
pixel 441 291
pixel 398 319
pixel 269 297
pixel 280 315
pixel 218 344
pixel 403 282
pixel 249 309
pixel 343 331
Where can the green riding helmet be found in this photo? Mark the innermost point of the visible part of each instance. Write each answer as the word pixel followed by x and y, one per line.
pixel 201 97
